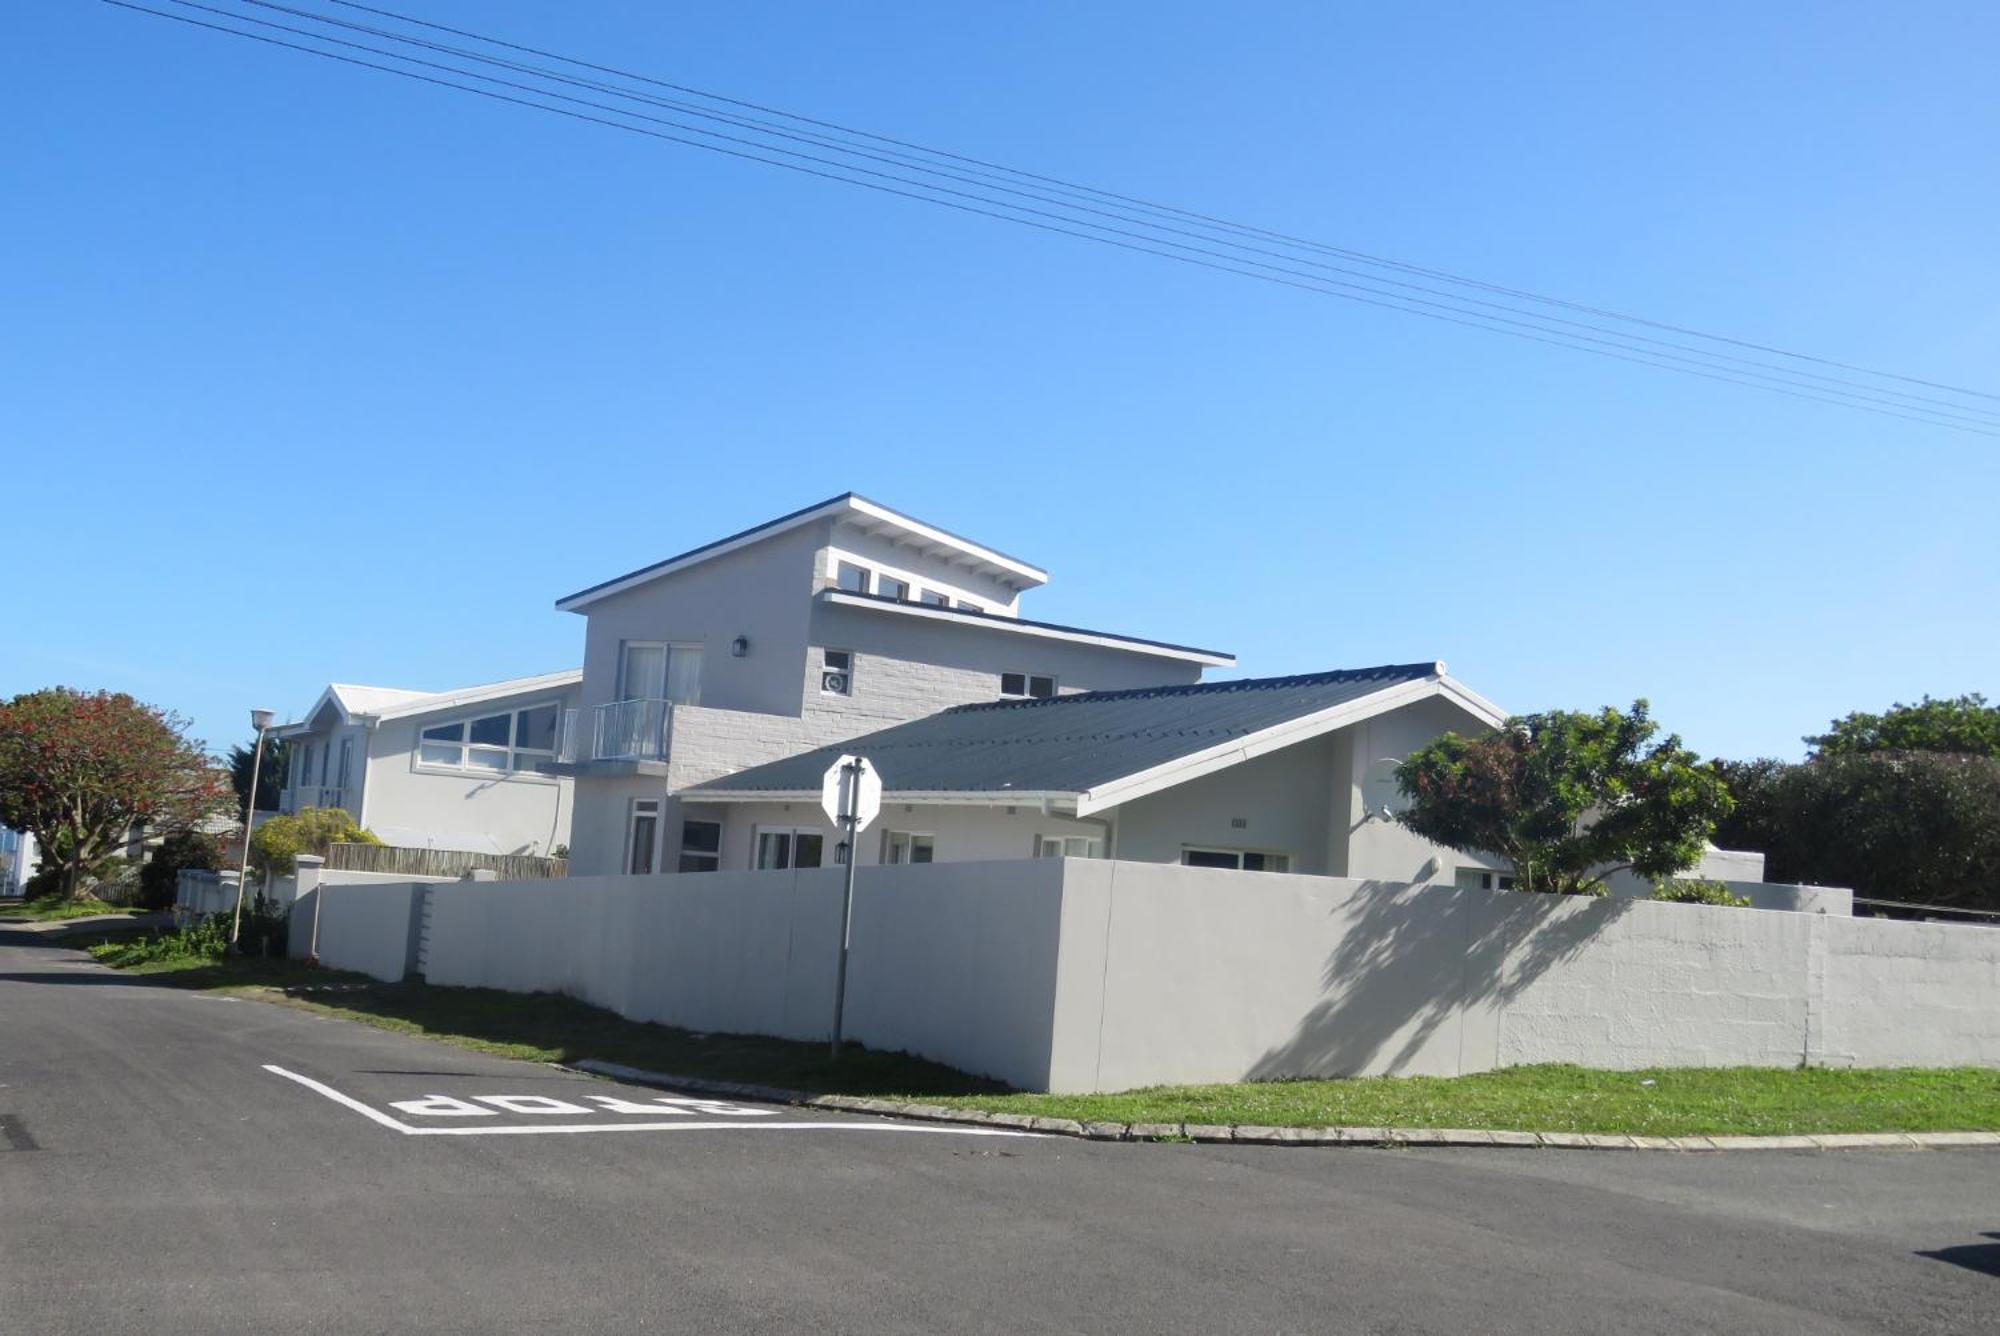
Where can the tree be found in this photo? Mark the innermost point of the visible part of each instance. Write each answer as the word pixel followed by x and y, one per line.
pixel 159 879
pixel 1964 724
pixel 1567 798
pixel 79 769
pixel 270 775
pixel 281 839
pixel 1916 826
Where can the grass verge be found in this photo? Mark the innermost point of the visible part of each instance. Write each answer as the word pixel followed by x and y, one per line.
pixel 1738 1101
pixel 57 909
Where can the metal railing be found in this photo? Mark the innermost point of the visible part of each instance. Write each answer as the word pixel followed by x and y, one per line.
pixel 632 730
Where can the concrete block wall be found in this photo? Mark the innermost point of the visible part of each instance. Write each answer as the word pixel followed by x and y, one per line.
pixel 1080 975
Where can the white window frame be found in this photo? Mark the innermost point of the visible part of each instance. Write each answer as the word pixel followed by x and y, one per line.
pixel 713 859
pixel 827 670
pixel 1060 846
pixel 648 808
pixel 1483 879
pixel 827 853
pixel 909 839
pixel 1239 855
pixel 1027 691
pixel 520 760
pixel 668 649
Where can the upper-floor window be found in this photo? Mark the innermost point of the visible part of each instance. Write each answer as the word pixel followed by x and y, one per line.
pixel 655 670
pixel 512 740
pixel 852 578
pixel 1068 846
pixel 836 673
pixel 888 586
pixel 931 598
pixel 1029 685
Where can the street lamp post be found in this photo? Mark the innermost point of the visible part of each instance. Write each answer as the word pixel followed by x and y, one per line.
pixel 260 720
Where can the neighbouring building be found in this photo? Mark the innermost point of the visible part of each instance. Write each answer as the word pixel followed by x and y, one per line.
pixel 466 770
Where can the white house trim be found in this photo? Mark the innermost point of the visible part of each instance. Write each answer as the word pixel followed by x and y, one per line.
pixel 1103 640
pixel 1306 727
pixel 519 686
pixel 876 519
pixel 1038 799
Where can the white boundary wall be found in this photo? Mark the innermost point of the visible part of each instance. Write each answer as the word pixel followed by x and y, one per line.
pixel 1078 975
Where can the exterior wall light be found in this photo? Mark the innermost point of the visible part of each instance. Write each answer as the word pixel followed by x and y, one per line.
pixel 740 647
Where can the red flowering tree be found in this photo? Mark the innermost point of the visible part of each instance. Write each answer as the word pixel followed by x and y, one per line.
pixel 78 770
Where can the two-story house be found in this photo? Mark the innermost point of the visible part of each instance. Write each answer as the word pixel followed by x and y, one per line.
pixel 465 770
pixel 818 626
pixel 719 685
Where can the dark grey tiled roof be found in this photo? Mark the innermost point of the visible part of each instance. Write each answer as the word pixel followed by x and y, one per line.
pixel 1070 744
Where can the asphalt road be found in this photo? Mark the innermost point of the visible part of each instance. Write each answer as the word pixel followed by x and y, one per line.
pixel 157 1176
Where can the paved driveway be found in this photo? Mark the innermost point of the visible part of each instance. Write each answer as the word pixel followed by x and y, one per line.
pixel 177 1163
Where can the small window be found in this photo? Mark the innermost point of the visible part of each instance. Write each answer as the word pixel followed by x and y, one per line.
pixel 852 578
pixel 890 587
pixel 1483 879
pixel 701 846
pixel 536 730
pixel 1244 860
pixel 495 730
pixel 1068 846
pixel 1032 686
pixel 901 846
pixel 967 605
pixel 836 672
pixel 931 598
pixel 643 837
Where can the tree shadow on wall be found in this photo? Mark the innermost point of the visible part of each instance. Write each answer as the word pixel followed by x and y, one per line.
pixel 1411 959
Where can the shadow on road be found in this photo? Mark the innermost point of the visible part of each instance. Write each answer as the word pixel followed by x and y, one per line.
pixel 1981 1257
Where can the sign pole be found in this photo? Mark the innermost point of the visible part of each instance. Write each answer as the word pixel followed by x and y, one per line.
pixel 846 934
pixel 851 796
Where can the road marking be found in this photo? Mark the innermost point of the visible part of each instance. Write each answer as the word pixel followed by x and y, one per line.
pixel 736 1121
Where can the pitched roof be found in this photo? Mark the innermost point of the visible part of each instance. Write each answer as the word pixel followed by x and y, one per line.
pixel 1086 744
pixel 359 702
pixel 874 514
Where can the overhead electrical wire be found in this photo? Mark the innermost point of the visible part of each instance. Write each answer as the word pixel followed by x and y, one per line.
pixel 915 172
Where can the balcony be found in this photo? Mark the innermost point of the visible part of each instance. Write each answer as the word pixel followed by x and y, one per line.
pixel 626 730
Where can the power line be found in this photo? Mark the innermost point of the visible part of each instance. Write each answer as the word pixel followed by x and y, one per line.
pixel 1706 363
pixel 1753 368
pixel 1362 256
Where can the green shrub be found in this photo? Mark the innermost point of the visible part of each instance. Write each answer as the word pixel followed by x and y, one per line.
pixel 159 879
pixel 279 841
pixel 1697 892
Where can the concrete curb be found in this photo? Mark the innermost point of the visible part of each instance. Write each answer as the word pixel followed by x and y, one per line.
pixel 1209 1133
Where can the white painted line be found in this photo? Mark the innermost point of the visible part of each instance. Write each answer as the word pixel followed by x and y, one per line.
pixel 339 1098
pixel 734 1124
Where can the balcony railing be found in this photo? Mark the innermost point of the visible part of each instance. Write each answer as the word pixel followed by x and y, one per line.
pixel 626 730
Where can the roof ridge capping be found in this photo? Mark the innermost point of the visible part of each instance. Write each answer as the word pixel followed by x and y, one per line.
pixel 846 503
pixel 1407 672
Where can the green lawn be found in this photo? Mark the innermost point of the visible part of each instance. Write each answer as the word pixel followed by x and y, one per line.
pixel 1671 1102
pixel 55 909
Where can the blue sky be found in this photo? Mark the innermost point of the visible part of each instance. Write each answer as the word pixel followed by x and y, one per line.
pixel 310 374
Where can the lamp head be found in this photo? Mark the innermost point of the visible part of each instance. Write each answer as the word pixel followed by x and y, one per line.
pixel 261 719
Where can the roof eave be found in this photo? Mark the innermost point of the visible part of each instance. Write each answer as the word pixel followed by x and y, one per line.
pixel 1019 626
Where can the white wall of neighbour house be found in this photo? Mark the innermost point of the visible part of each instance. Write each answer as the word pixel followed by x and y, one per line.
pixel 514 812
pixel 1377 847
pixel 1282 802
